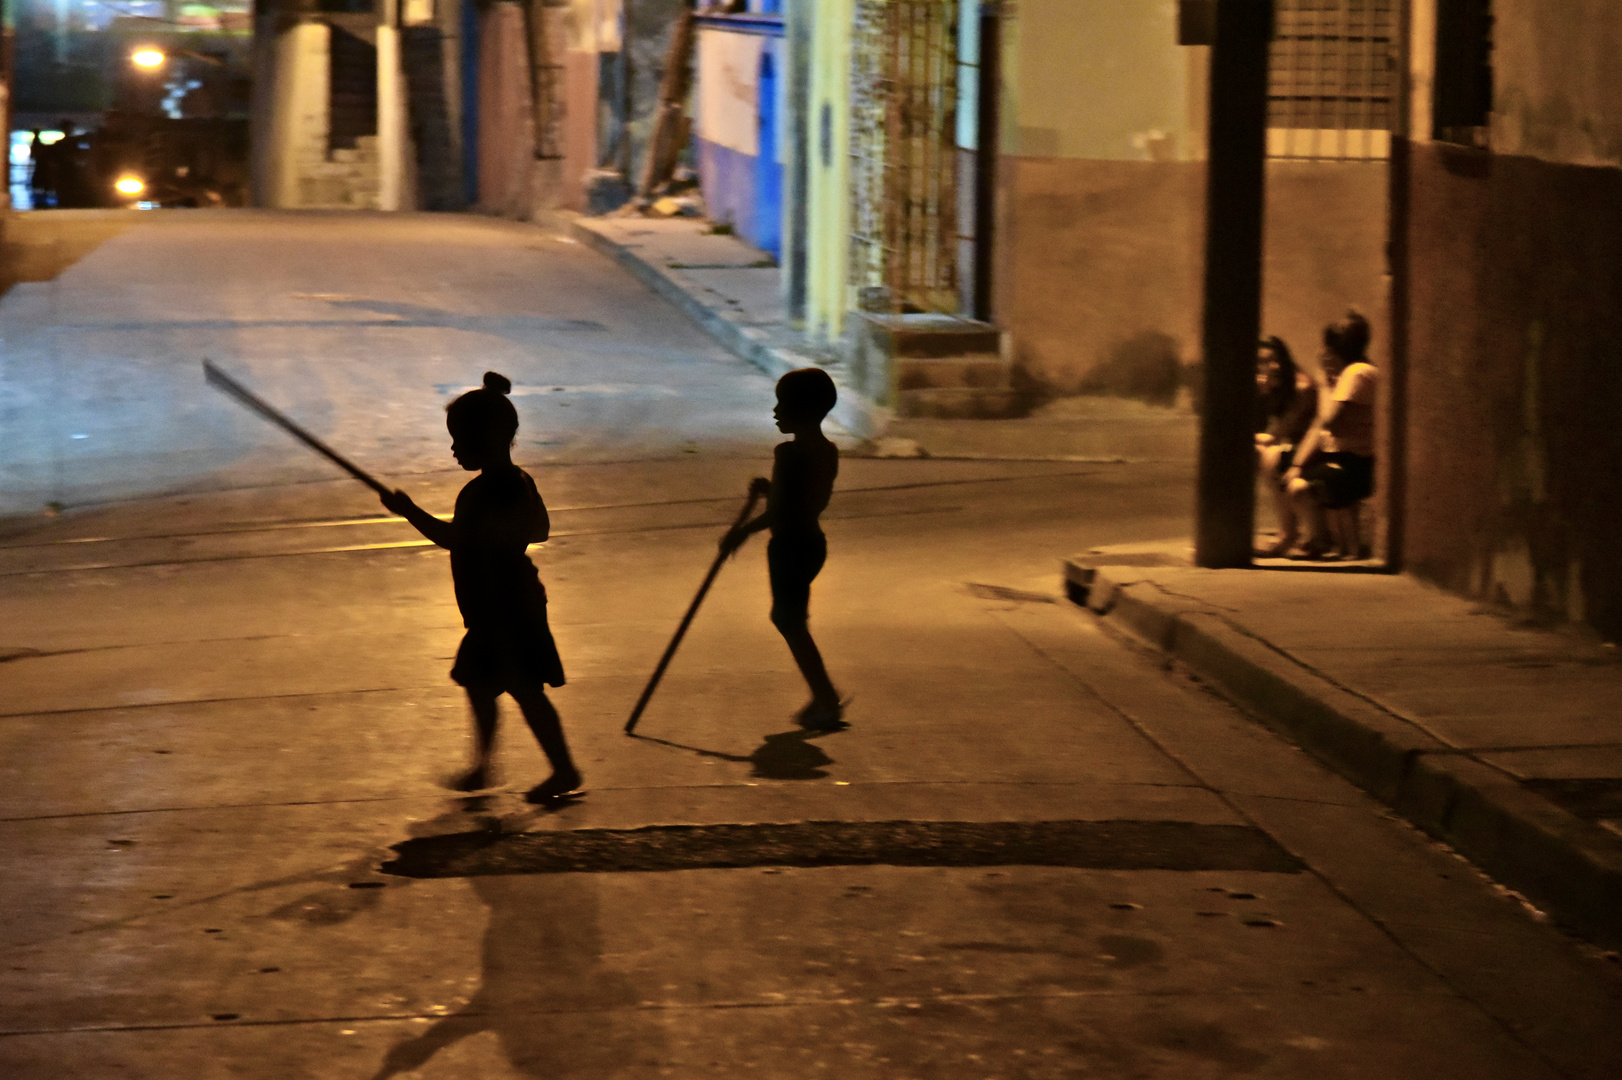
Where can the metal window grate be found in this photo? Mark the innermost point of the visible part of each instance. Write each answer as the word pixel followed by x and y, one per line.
pixel 903 152
pixel 1332 79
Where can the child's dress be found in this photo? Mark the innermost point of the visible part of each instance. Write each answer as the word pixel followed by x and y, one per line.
pixel 508 644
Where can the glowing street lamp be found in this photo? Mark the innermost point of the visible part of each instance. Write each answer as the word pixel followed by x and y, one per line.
pixel 129 186
pixel 148 59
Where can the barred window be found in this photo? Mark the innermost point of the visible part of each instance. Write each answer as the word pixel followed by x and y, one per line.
pixel 1333 78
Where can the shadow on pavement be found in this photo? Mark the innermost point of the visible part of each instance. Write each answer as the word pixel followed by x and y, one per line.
pixel 545 993
pixel 787 755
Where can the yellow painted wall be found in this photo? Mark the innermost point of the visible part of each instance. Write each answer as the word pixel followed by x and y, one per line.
pixel 1099 80
pixel 828 174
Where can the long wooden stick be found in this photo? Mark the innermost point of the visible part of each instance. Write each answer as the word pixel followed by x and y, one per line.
pixel 686 621
pixel 223 382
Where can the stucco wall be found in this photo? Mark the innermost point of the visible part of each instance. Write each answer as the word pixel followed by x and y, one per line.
pixel 1100 261
pixel 1514 383
pixel 1325 251
pixel 506 138
pixel 1556 95
pixel 1101 204
pixel 1098 80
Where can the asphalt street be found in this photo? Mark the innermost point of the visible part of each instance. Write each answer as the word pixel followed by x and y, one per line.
pixel 225 720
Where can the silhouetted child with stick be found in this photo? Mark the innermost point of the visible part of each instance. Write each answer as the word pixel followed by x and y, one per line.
pixel 508 647
pixel 802 481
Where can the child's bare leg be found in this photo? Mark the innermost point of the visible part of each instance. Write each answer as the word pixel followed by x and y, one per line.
pixel 798 635
pixel 1344 522
pixel 484 738
pixel 544 722
pixel 1289 526
pixel 1308 508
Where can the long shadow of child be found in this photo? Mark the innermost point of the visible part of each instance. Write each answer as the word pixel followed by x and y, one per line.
pixel 552 990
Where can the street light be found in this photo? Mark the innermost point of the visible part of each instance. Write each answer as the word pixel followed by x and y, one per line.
pixel 149 59
pixel 129 186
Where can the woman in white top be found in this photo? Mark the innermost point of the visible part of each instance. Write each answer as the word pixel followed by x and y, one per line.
pixel 1332 471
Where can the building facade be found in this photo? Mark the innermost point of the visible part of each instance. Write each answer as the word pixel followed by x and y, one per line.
pixel 1510 230
pixel 500 106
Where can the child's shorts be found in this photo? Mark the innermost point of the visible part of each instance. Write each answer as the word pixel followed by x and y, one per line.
pixel 1340 480
pixel 501 660
pixel 793 563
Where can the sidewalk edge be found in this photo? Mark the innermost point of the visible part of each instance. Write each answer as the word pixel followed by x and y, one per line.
pixel 853 412
pixel 1563 864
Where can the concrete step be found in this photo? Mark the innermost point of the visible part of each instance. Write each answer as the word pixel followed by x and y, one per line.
pixel 961 403
pixel 929 336
pixel 975 372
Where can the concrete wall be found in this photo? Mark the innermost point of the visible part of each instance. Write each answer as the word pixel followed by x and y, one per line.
pixel 298 110
pixel 1514 376
pixel 506 134
pixel 1101 207
pixel 292 166
pixel 726 127
pixel 1098 80
pixel 579 49
pixel 1325 251
pixel 735 137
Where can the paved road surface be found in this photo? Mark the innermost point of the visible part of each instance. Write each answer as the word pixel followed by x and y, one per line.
pixel 225 714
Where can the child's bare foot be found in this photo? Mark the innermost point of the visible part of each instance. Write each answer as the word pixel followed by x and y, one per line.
pixel 1278 549
pixel 475 779
pixel 822 716
pixel 555 786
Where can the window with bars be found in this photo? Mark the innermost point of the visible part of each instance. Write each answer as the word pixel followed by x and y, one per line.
pixel 903 155
pixel 1332 84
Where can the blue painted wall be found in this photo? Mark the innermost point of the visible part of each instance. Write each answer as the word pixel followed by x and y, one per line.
pixel 766 226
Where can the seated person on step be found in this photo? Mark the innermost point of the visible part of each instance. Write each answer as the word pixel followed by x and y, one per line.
pixel 1289 402
pixel 1332 469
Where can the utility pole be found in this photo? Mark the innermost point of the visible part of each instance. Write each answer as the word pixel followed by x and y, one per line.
pixel 391 118
pixel 1235 190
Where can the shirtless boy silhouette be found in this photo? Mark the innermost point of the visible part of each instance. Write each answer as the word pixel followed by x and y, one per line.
pixel 508 647
pixel 802 480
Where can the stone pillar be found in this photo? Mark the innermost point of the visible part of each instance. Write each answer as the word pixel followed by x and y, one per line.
pixel 298 107
pixel 392 141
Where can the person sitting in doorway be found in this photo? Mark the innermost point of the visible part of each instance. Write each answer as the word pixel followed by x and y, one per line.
pixel 1331 471
pixel 1289 403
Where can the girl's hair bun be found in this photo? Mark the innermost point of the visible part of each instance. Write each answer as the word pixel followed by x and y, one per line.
pixel 497 382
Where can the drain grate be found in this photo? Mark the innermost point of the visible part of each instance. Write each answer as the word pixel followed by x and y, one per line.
pixel 1093 845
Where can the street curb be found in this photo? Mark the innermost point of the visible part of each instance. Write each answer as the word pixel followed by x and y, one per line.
pixel 1567 866
pixel 854 412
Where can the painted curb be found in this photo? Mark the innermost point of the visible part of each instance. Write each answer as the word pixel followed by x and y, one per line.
pixel 1571 868
pixel 854 412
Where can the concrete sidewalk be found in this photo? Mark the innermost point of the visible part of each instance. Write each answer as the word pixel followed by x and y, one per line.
pixel 734 292
pixel 731 290
pixel 1503 740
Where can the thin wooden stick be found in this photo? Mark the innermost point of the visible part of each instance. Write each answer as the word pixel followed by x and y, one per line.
pixel 687 620
pixel 223 382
